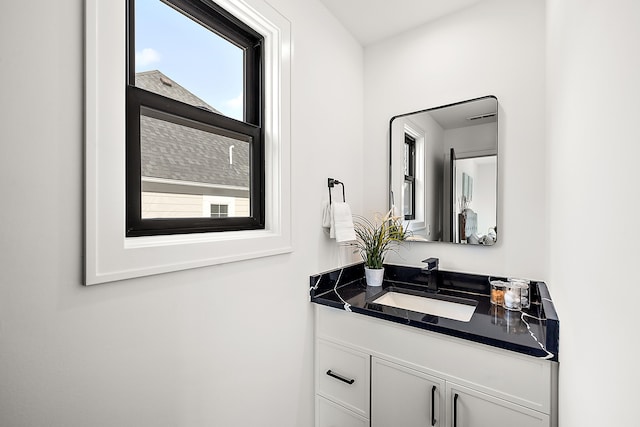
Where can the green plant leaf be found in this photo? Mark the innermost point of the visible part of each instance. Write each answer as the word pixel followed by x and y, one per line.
pixel 376 238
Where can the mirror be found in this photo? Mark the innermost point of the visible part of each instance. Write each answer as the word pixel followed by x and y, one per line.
pixel 443 174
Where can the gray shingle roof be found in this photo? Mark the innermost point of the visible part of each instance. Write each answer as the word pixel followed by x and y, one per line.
pixel 176 152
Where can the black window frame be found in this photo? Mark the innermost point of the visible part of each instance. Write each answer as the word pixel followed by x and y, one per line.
pixel 410 142
pixel 222 23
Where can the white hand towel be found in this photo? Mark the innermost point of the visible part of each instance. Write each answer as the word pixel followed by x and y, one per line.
pixel 342 223
pixel 327 219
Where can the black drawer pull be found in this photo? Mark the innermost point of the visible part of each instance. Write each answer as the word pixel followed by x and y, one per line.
pixel 455 410
pixel 433 405
pixel 340 377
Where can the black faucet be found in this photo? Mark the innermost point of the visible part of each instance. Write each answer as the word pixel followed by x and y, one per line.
pixel 432 265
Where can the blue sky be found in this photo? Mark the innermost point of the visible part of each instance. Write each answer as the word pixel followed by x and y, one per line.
pixel 189 54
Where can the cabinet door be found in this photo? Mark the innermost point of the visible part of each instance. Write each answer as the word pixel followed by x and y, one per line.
pixel 471 408
pixel 330 414
pixel 404 397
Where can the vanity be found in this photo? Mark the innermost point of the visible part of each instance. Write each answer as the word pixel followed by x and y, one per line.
pixel 432 347
pixel 456 361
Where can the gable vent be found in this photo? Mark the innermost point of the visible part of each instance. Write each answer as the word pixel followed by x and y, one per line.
pixel 481 116
pixel 165 81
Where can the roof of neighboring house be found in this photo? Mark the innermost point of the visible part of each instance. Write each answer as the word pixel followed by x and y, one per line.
pixel 156 82
pixel 175 152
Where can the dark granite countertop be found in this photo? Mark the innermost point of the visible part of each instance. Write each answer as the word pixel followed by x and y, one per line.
pixel 533 331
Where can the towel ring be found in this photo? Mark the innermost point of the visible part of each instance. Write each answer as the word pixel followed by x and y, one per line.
pixel 332 183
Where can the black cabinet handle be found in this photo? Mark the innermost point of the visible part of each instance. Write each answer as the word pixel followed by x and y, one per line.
pixel 455 410
pixel 433 405
pixel 340 377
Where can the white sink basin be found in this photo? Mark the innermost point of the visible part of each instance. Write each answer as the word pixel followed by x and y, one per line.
pixel 432 306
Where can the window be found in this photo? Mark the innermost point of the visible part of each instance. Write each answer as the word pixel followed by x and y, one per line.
pixel 194 116
pixel 219 211
pixel 408 187
pixel 110 255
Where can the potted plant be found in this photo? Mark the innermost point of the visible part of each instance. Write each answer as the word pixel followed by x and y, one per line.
pixel 374 239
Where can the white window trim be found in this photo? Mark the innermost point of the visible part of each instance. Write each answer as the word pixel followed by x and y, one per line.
pixel 109 256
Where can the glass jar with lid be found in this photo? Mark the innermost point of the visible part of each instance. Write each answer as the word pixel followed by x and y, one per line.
pixel 523 284
pixel 512 297
pixel 498 288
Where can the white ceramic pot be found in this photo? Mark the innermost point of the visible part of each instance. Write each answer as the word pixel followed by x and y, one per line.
pixel 374 276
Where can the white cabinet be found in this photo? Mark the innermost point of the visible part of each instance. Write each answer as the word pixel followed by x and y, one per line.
pixel 401 396
pixel 370 370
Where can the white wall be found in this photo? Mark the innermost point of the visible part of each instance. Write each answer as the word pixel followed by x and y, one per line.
pixel 593 146
pixel 496 47
pixel 229 345
pixel 484 194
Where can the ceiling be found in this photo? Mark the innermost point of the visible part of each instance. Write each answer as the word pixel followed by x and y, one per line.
pixel 373 20
pixel 458 115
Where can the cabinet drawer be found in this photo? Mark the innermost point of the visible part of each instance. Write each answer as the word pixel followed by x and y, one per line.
pixel 342 375
pixel 329 414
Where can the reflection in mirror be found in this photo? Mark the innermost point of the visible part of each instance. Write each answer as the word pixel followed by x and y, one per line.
pixel 444 172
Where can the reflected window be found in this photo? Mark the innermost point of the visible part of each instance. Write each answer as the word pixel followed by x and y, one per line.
pixel 194 114
pixel 408 188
